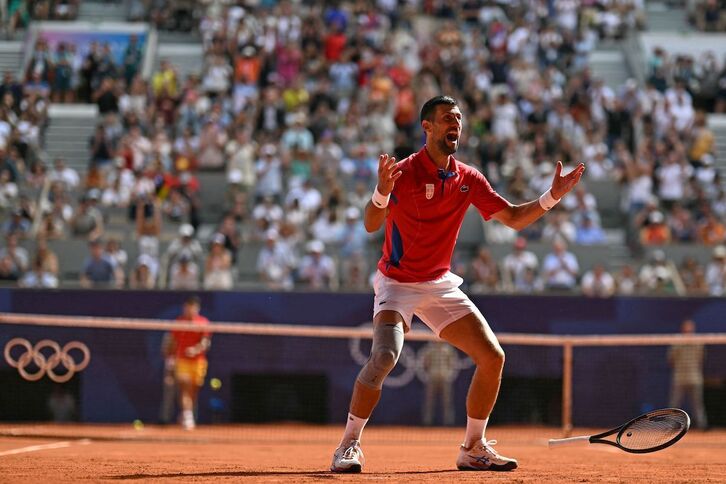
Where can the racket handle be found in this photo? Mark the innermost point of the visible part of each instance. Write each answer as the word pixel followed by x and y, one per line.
pixel 582 440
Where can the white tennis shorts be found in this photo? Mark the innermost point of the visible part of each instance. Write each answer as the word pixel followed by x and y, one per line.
pixel 438 303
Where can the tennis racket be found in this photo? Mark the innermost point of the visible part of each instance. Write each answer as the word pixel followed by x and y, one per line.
pixel 650 432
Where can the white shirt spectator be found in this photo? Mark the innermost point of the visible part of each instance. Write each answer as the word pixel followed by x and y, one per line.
pixel 269 176
pixel 317 269
pixel 184 276
pixel 269 211
pixel 560 268
pixel 672 177
pixel 517 264
pixel 275 263
pixel 38 280
pixel 64 174
pixel 716 277
pixel 598 283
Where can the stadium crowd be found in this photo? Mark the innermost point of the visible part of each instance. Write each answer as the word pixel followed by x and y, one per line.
pixel 295 102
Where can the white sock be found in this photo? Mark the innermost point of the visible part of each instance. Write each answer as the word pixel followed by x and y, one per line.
pixel 475 429
pixel 353 428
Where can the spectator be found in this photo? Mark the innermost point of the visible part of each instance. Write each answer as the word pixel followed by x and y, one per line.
pixel 716 272
pixel 142 276
pixel 589 233
pixel 14 254
pixel 559 226
pixel 659 275
pixel 276 262
pixel 354 236
pixel 711 231
pixel 62 173
pixel 148 229
pixel 218 267
pixel 17 224
pixel 98 270
pixel 626 281
pixel 184 273
pixel 38 278
pixel 484 273
pixel 687 363
pixel 519 264
pixel 440 364
pixel 317 270
pixel 655 231
pixel 598 282
pixel 269 173
pixel 560 267
pixel 693 276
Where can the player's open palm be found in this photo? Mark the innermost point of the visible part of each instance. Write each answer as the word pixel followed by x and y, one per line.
pixel 561 185
pixel 388 173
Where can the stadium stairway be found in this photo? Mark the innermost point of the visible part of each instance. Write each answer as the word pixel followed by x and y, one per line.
pixel 666 17
pixel 188 58
pixel 717 123
pixel 102 12
pixel 11 55
pixel 608 63
pixel 70 128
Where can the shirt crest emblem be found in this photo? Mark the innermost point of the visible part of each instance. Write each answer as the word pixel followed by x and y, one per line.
pixel 464 188
pixel 429 191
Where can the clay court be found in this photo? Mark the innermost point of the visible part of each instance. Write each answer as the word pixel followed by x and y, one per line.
pixel 293 453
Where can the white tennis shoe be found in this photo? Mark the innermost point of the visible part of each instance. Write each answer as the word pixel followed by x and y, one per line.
pixel 187 420
pixel 348 458
pixel 482 457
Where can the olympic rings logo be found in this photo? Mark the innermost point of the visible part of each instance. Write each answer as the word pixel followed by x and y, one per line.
pixel 411 361
pixel 47 364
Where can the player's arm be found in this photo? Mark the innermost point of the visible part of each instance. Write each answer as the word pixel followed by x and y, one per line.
pixel 520 216
pixel 377 209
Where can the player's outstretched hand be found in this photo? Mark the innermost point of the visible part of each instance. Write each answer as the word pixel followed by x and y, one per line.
pixel 388 173
pixel 561 185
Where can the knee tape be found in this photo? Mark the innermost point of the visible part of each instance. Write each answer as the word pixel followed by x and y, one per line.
pixel 387 345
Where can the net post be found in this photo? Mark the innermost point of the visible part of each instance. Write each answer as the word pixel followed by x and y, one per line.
pixel 566 388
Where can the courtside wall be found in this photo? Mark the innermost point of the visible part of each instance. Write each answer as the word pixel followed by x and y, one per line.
pixel 123 381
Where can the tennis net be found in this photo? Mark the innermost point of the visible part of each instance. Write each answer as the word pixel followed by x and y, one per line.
pixel 111 371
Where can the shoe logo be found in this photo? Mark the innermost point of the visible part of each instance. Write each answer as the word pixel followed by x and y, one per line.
pixel 481 459
pixel 382 303
pixel 464 188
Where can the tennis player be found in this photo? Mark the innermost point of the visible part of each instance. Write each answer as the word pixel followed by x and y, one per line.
pixel 190 351
pixel 422 200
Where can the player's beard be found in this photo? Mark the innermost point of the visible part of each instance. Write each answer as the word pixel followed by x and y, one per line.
pixel 446 147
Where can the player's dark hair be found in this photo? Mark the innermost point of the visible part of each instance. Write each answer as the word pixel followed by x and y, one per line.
pixel 193 300
pixel 429 107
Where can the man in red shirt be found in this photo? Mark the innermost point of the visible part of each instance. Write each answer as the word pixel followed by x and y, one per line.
pixel 422 200
pixel 189 349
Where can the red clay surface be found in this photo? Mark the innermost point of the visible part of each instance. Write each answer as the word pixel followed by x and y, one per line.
pixel 297 453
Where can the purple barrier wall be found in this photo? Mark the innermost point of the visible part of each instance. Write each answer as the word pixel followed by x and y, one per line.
pixel 123 381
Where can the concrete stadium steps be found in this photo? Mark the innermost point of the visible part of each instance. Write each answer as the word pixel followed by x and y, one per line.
pixel 188 58
pixel 70 128
pixel 717 123
pixel 609 65
pixel 11 56
pixel 114 11
pixel 665 17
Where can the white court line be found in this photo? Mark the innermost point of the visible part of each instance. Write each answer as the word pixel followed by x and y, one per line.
pixel 35 448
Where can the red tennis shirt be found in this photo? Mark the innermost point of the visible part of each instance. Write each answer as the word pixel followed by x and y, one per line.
pixel 426 211
pixel 187 339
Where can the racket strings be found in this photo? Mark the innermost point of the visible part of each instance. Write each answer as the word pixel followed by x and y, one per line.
pixel 654 430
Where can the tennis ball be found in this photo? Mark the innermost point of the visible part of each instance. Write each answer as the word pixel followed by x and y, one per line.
pixel 138 424
pixel 215 383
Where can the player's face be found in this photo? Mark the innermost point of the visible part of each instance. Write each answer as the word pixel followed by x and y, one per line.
pixel 191 310
pixel 446 128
